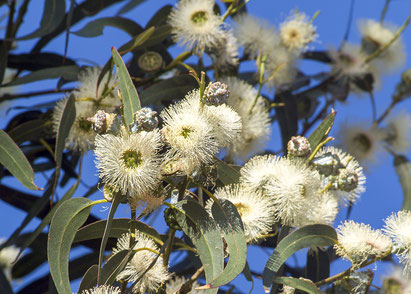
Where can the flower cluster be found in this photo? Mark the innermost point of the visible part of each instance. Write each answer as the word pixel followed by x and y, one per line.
pixel 89 98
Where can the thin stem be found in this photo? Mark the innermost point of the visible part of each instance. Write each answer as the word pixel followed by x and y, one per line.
pixel 20 17
pixel 373 106
pixel 319 147
pixel 384 10
pixel 186 287
pixel 380 50
pixel 349 22
pixel 132 226
pixel 30 94
pixel 386 112
pixel 349 270
pixel 171 237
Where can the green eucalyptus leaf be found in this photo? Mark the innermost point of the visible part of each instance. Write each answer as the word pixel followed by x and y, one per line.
pixel 89 280
pixel 30 130
pixel 159 35
pixel 68 72
pixel 64 225
pixel 65 123
pixel 5 287
pixel 114 265
pixel 3 59
pixel 129 6
pixel 300 284
pixel 129 96
pixel 119 227
pixel 125 48
pixel 322 130
pixel 36 61
pixel 16 162
pixel 307 236
pixel 174 88
pixel 227 173
pixel 53 14
pixel 95 27
pixel 107 229
pixel 403 169
pixel 80 11
pixel 160 17
pixel 203 232
pixel 46 220
pixel 231 227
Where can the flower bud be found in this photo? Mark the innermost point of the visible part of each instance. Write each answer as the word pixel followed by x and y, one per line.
pixel 216 94
pixel 347 180
pixel 298 146
pixel 103 122
pixel 144 120
pixel 327 164
pixel 150 61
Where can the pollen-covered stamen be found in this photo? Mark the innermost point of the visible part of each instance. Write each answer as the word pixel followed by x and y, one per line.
pixel 199 18
pixel 242 208
pixel 298 146
pixel 131 159
pixel 185 132
pixel 84 124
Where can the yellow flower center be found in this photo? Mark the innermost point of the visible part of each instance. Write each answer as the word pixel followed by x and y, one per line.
pixel 185 132
pixel 242 208
pixel 131 158
pixel 199 18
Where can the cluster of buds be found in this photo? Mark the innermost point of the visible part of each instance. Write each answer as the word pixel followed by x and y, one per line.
pixel 216 94
pixel 144 120
pixel 298 146
pixel 330 166
pixel 403 89
pixel 103 122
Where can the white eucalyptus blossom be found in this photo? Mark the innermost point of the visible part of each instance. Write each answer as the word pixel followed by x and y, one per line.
pixel 320 209
pixel 376 35
pixel 397 133
pixel 258 172
pixel 255 209
pixel 225 54
pixel 349 61
pixel 293 185
pixel 195 25
pixel 146 255
pixel 189 135
pixel 398 227
pixel 346 174
pixel 297 32
pixel 81 136
pixel 129 162
pixel 280 66
pixel 174 285
pixel 104 289
pixel 87 90
pixel 362 142
pixel 256 124
pixel 255 34
pixel 358 242
pixel 396 283
pixel 7 257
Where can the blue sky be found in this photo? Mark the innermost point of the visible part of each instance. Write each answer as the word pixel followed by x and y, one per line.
pixel 383 195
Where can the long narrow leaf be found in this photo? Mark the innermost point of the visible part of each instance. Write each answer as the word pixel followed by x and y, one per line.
pixel 308 236
pixel 64 225
pixel 129 96
pixel 14 160
pixel 203 232
pixel 53 14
